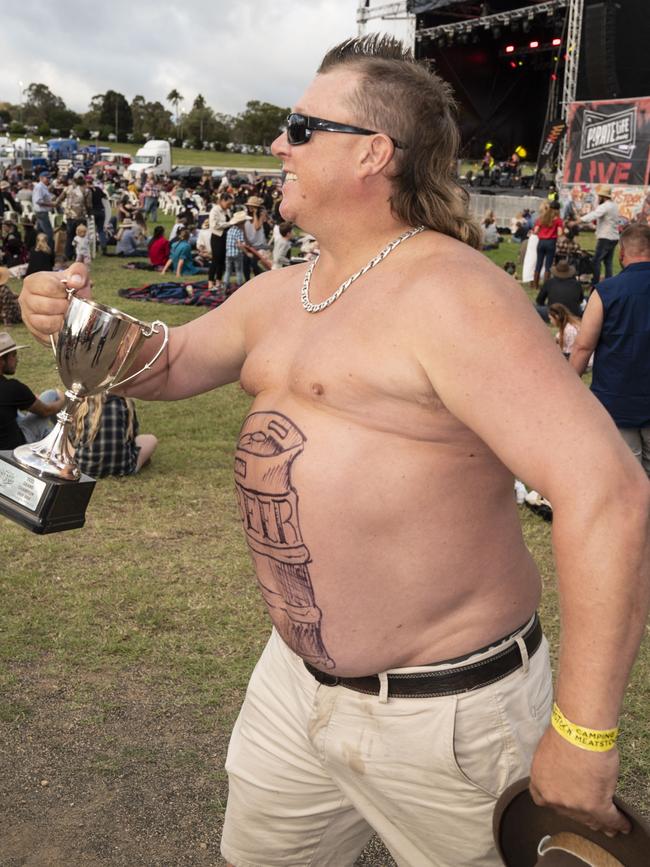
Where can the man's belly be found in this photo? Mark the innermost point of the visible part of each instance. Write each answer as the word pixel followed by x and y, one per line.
pixel 376 551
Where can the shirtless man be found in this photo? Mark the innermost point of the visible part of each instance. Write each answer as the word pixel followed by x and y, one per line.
pixel 374 478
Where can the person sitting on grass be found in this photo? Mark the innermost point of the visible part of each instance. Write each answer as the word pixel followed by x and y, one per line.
pixel 107 439
pixel 24 418
pixel 41 258
pixel 140 229
pixel 562 287
pixel 489 233
pixel 568 325
pixel 9 306
pixel 181 259
pixel 127 244
pixel 158 248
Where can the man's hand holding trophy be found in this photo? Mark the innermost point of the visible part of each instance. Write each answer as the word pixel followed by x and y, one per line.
pixel 95 346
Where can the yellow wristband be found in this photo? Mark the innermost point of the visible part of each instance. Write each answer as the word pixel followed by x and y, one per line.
pixel 596 740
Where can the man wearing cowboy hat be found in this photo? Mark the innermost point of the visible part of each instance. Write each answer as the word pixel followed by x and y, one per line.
pixel 561 288
pixel 398 383
pixel 606 216
pixel 254 235
pixel 127 244
pixel 235 249
pixel 16 397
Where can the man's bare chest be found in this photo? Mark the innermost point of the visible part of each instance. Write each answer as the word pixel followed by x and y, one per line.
pixel 361 366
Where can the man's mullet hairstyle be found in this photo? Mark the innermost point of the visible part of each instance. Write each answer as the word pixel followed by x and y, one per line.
pixel 413 105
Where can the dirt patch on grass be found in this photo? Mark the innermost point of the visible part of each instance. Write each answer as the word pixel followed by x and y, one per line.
pixel 96 771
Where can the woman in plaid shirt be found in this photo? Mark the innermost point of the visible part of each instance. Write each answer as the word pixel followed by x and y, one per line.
pixel 107 438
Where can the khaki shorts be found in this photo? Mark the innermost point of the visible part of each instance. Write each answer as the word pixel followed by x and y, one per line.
pixel 315 770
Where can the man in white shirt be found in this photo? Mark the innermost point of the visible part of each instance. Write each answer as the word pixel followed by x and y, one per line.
pixel 219 217
pixel 606 217
pixel 43 203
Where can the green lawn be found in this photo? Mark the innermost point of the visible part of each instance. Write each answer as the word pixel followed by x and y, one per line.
pixel 125 647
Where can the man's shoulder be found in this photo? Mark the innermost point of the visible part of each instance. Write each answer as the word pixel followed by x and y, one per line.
pixel 455 267
pixel 16 390
pixel 628 277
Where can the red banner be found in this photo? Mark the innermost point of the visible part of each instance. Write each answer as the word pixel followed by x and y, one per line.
pixel 609 142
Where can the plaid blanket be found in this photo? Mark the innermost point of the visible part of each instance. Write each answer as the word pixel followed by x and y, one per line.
pixel 197 294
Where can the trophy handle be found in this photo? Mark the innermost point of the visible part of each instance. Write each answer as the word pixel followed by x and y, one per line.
pixel 152 330
pixel 69 291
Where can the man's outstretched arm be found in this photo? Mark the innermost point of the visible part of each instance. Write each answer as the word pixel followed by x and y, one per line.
pixel 201 355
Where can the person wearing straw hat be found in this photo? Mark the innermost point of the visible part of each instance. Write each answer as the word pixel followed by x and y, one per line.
pixel 255 236
pixel 399 382
pixel 606 216
pixel 23 416
pixel 235 250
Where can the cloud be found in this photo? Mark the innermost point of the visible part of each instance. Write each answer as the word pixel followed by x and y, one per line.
pixel 231 51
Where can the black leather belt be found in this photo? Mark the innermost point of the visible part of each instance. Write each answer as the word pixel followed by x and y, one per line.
pixel 429 684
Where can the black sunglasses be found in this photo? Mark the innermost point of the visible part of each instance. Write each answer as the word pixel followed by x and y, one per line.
pixel 301 126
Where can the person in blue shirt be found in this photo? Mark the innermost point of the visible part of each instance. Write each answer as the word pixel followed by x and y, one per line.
pixel 127 244
pixel 616 327
pixel 181 259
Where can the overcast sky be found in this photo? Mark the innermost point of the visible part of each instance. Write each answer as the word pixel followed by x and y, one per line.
pixel 228 50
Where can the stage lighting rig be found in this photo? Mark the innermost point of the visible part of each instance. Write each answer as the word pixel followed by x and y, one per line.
pixel 495 22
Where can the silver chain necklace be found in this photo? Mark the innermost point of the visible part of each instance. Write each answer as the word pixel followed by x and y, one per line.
pixel 315 308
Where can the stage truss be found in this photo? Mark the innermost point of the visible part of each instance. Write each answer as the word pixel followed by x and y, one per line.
pixel 574 9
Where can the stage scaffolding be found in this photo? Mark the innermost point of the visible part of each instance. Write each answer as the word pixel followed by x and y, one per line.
pixel 367 11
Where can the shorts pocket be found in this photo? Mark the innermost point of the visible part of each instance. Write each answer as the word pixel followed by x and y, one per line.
pixel 540 692
pixel 479 744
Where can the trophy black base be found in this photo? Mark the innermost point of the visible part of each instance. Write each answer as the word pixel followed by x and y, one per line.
pixel 42 504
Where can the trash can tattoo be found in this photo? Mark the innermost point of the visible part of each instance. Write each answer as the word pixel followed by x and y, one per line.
pixel 268 444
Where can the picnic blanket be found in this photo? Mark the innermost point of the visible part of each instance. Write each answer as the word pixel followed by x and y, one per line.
pixel 196 294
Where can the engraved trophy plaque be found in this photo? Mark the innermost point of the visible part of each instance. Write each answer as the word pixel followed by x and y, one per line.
pixel 41 486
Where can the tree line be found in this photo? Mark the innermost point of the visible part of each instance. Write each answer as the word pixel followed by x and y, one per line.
pixel 111 114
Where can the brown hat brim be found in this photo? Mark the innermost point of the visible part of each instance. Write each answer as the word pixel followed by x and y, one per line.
pixel 519 825
pixel 12 349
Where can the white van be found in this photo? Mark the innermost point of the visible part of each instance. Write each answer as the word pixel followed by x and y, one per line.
pixel 153 157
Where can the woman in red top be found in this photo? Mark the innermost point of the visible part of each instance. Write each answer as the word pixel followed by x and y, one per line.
pixel 158 248
pixel 548 227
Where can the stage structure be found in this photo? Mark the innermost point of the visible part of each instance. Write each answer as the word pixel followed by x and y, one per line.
pixel 378 10
pixel 516 66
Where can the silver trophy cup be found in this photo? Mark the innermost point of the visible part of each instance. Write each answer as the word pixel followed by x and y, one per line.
pixel 94 348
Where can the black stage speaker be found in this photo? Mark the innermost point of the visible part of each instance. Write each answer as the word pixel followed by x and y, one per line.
pixel 599 50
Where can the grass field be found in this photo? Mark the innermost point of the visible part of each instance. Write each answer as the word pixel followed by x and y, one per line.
pixel 125 647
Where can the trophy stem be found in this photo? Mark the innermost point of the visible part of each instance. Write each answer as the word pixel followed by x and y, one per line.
pixel 54 455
